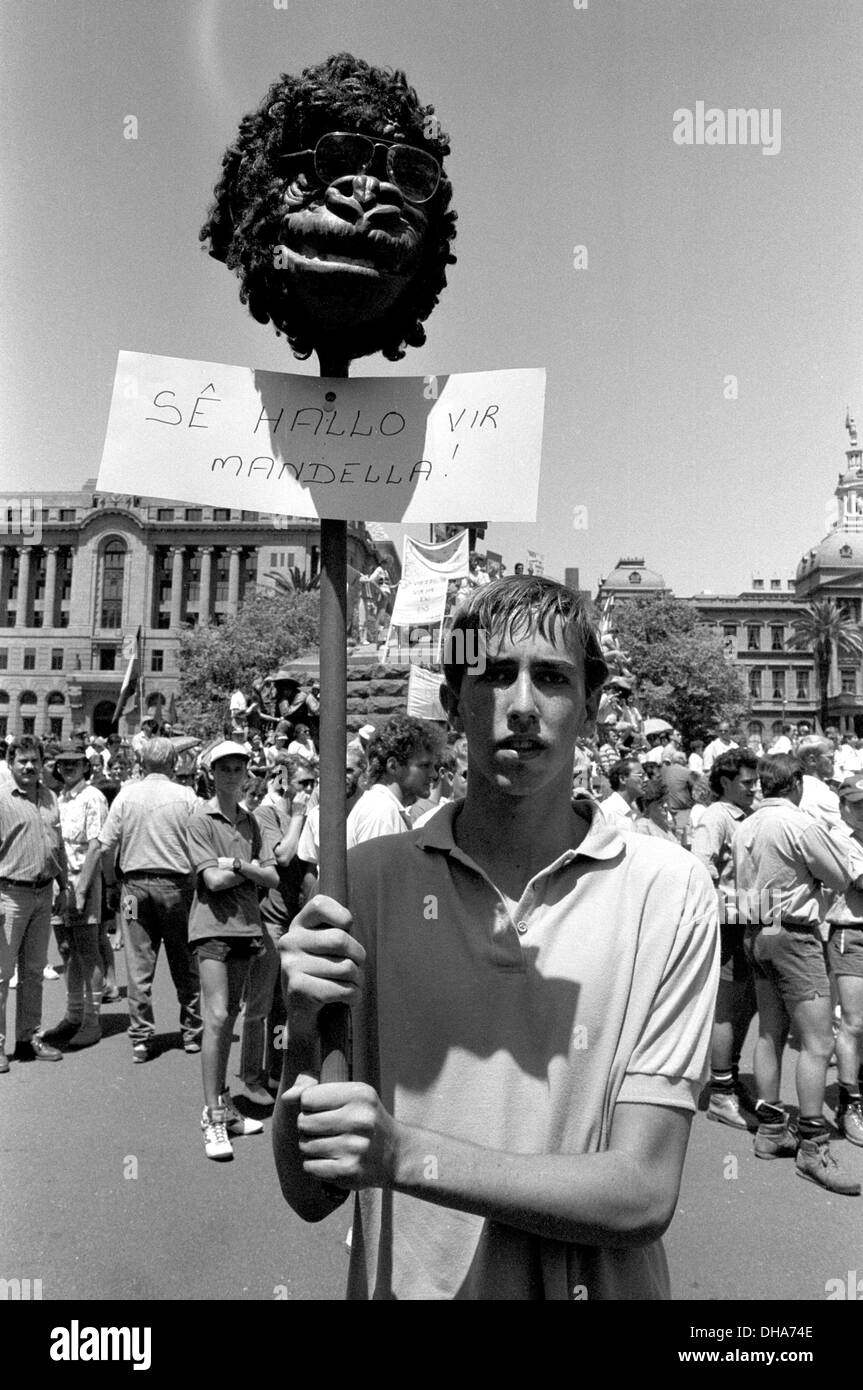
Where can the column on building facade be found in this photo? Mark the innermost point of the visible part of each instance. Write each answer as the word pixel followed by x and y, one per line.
pixel 233 579
pixel 49 615
pixel 21 614
pixel 5 574
pixel 176 585
pixel 206 584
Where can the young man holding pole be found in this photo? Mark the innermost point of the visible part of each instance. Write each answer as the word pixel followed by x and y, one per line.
pixel 532 1002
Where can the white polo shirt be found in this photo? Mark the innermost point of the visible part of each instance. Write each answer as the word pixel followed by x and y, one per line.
pixel 378 812
pixel 521 1033
pixel 618 812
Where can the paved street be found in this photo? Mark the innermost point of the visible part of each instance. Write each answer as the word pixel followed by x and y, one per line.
pixel 186 1228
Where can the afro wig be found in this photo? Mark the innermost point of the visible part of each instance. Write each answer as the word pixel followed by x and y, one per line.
pixel 258 185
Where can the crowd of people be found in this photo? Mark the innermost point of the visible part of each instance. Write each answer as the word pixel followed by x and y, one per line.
pixel 212 852
pixel 208 851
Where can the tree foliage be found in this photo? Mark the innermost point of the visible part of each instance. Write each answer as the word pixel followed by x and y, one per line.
pixel 682 670
pixel 214 660
pixel 826 631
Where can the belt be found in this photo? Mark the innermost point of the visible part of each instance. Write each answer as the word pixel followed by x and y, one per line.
pixel 788 925
pixel 154 873
pixel 25 883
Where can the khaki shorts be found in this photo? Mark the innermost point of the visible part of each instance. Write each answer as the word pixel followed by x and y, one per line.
pixel 845 951
pixel 792 959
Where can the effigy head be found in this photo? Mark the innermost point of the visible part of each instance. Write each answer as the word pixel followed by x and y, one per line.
pixel 333 211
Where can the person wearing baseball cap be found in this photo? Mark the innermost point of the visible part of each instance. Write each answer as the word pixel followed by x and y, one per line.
pixel 844 952
pixel 230 863
pixel 360 744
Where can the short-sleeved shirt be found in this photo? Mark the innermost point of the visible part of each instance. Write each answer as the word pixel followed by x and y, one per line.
pixel 309 848
pixel 521 1031
pixel 31 842
pixel 715 749
pixel 788 863
pixel 210 837
pixel 711 843
pixel 148 821
pixel 83 811
pixel 618 812
pixel 677 779
pixel 847 910
pixel 821 802
pixel 283 903
pixel 378 812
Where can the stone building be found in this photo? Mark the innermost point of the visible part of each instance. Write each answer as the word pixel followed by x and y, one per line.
pixel 82 573
pixel 757 624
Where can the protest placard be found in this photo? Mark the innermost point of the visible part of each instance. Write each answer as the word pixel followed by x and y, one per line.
pixel 388 448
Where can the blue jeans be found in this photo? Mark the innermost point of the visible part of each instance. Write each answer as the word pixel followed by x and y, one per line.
pixel 163 916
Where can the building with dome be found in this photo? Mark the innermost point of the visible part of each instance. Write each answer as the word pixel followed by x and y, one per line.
pixel 756 624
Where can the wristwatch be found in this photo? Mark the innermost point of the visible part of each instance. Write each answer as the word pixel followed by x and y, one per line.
pixel 235 865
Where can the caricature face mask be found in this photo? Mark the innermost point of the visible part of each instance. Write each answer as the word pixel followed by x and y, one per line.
pixel 332 210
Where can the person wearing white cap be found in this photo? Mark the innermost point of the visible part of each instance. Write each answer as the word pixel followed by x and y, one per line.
pixel 360 744
pixel 226 851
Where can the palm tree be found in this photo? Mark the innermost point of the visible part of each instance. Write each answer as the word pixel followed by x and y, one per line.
pixel 293 581
pixel 823 628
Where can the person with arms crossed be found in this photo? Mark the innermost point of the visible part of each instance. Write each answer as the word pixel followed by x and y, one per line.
pixel 227 854
pixel 532 1000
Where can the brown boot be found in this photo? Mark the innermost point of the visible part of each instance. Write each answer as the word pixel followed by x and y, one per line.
pixel 816 1163
pixel 775 1141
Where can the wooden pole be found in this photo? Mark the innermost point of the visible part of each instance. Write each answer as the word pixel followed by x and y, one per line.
pixel 334 1021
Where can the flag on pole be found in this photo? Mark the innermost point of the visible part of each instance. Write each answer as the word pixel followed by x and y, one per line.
pixel 131 651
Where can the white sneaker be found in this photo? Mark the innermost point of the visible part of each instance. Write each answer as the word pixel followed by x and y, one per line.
pixel 236 1123
pixel 49 973
pixel 216 1141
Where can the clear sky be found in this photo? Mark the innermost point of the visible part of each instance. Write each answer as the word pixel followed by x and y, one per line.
pixel 704 261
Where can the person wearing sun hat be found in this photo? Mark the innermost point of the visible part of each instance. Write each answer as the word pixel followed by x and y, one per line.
pixel 227 854
pixel 83 812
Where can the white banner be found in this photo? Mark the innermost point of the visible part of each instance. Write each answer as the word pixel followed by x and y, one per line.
pixel 389 448
pixel 420 602
pixel 450 558
pixel 424 694
pixel 426 572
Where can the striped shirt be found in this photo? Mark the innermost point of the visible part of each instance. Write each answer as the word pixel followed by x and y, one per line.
pixel 31 844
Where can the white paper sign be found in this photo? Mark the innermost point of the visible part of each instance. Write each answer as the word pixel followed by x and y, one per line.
pixel 423 700
pixel 389 448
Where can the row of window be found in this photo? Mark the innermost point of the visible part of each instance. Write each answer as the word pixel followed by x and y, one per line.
pixel 29 697
pixel 197 514
pixel 30 659
pixel 108 659
pixel 28 726
pixel 777 683
pixel 753 635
